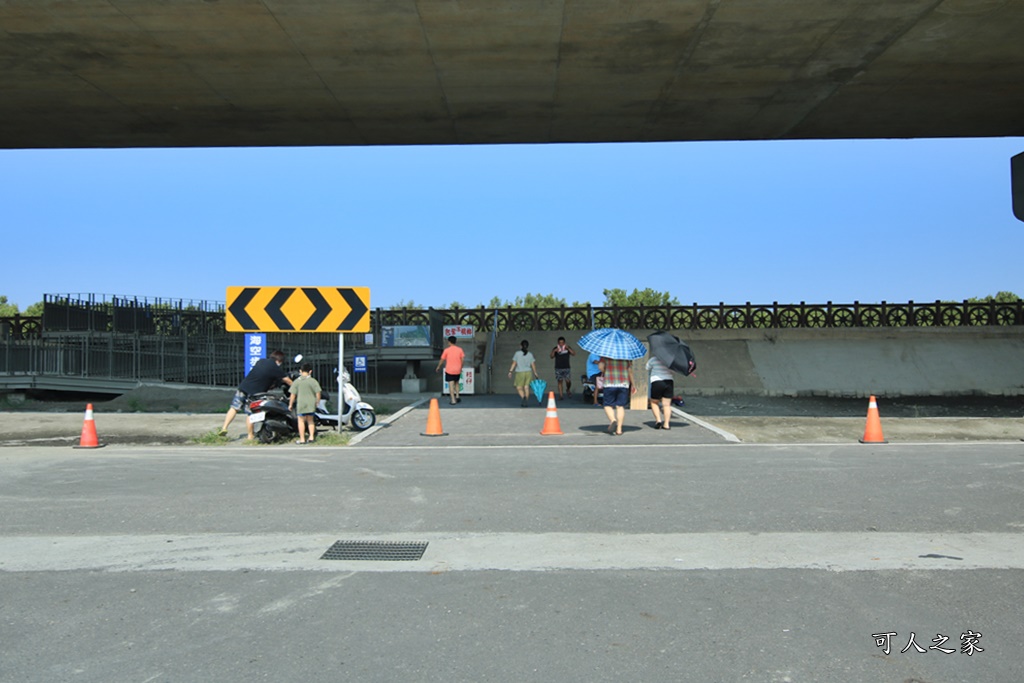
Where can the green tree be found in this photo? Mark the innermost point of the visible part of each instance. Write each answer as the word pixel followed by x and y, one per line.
pixel 999 298
pixel 35 309
pixel 410 304
pixel 538 300
pixel 648 297
pixel 9 309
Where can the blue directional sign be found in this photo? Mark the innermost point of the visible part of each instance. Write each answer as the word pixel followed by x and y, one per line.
pixel 255 350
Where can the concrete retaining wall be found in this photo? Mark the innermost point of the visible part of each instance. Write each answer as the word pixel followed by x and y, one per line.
pixel 824 362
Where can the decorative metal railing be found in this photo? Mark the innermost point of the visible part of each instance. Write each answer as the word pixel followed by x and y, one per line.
pixel 724 316
pixel 203 319
pixel 21 327
pixel 176 342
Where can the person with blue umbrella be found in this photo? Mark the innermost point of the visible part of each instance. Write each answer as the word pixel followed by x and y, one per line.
pixel 617 349
pixel 523 368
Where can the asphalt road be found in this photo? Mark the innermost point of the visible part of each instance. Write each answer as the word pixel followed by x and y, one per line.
pixel 581 557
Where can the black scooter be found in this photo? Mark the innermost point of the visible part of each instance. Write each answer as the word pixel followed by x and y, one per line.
pixel 268 412
pixel 271 420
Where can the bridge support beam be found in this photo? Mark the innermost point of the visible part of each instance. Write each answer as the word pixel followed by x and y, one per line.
pixel 1017 185
pixel 411 383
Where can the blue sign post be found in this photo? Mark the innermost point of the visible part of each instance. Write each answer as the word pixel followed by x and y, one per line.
pixel 358 363
pixel 255 350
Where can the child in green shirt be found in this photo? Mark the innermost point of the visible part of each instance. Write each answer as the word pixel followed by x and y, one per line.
pixel 305 394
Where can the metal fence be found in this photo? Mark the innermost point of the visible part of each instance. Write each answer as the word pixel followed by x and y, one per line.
pixel 124 315
pixel 132 315
pixel 724 316
pixel 185 341
pixel 169 359
pixel 215 361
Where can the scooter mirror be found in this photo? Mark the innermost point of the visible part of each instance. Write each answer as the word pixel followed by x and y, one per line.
pixel 298 358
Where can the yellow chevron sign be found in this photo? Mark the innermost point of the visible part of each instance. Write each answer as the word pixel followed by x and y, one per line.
pixel 297 309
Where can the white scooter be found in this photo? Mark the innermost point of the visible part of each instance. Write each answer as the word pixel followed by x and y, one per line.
pixel 354 410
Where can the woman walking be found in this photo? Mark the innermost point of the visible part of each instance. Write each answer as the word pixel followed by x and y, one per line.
pixel 662 387
pixel 522 370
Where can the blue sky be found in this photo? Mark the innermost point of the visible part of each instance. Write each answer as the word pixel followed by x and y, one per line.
pixel 811 221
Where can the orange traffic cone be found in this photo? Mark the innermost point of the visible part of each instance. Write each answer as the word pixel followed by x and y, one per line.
pixel 873 430
pixel 89 438
pixel 434 421
pixel 551 425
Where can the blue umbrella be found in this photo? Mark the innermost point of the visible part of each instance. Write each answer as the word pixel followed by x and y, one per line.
pixel 612 342
pixel 538 386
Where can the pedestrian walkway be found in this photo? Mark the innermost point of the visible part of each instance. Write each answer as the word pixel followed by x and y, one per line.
pixel 500 420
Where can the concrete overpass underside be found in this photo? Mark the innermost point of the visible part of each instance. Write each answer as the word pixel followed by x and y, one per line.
pixel 159 73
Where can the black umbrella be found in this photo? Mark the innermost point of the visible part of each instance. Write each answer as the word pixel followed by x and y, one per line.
pixel 673 352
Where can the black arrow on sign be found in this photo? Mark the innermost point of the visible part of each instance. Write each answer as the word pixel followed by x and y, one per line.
pixel 273 309
pixel 356 304
pixel 323 309
pixel 237 308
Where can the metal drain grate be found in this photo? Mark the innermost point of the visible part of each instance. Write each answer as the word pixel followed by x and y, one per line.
pixel 388 551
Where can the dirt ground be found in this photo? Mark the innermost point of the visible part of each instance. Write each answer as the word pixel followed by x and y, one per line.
pixel 156 414
pixel 147 398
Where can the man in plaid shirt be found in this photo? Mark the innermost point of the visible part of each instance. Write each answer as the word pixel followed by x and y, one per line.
pixel 618 385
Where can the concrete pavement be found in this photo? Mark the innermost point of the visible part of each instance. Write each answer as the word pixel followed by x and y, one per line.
pixel 500 420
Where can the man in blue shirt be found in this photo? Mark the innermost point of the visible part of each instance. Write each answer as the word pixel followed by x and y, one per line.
pixel 593 371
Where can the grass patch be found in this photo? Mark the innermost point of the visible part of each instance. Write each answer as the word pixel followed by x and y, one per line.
pixel 24 405
pixel 322 439
pixel 211 438
pixel 386 408
pixel 332 439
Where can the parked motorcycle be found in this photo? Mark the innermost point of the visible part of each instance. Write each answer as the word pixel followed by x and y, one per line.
pixel 271 420
pixel 354 411
pixel 269 414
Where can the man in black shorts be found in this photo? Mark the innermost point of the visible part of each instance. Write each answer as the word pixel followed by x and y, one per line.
pixel 563 373
pixel 452 359
pixel 264 375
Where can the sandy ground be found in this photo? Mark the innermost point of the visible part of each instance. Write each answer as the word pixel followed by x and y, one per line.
pixel 151 414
